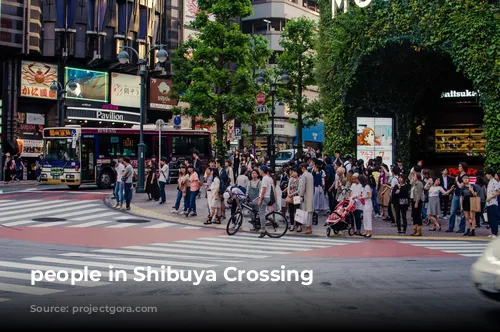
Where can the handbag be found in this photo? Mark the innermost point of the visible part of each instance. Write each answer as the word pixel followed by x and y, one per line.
pixel 297 200
pixel 301 216
pixel 289 200
pixel 475 204
pixel 404 201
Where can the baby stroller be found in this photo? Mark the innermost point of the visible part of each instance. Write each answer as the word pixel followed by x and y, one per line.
pixel 340 219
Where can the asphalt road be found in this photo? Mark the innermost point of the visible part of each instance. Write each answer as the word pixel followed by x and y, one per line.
pixel 382 284
pixel 349 293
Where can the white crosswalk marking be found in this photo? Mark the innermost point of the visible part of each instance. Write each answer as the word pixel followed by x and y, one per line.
pixel 92 223
pixel 106 214
pixel 201 253
pixel 26 207
pixel 85 211
pixel 47 210
pixel 3 300
pixel 21 205
pixel 49 224
pixel 18 223
pixel 10 203
pixel 122 225
pixel 463 248
pixel 161 225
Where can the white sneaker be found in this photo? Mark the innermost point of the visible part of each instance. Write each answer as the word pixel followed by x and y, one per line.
pixel 444 217
pixel 491 236
pixel 173 211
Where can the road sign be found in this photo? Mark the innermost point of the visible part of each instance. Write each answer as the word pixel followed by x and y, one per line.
pixel 261 109
pixel 237 133
pixel 260 99
pixel 160 124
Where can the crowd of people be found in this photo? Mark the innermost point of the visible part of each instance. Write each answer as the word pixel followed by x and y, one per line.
pixel 315 184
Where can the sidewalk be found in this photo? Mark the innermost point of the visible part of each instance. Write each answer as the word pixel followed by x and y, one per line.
pixel 381 229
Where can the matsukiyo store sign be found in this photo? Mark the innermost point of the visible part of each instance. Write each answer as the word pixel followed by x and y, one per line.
pixel 343 5
pixel 36 78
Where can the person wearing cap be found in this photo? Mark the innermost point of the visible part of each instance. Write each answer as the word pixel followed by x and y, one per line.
pixel 264 197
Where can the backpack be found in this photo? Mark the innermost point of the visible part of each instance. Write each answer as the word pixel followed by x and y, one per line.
pixel 272 198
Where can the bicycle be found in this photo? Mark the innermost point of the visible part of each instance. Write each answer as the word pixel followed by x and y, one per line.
pixel 276 225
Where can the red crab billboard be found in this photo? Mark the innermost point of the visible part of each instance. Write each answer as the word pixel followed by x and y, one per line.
pixel 36 78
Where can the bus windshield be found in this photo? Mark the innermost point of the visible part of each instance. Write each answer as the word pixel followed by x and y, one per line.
pixel 61 149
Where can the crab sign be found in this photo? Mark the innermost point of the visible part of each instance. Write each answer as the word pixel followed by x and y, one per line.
pixel 39 73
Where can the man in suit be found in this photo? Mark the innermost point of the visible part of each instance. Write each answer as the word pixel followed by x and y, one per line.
pixel 446 183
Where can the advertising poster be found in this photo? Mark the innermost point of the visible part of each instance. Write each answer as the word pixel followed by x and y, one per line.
pixel 91 85
pixel 126 90
pixel 374 138
pixel 30 148
pixel 160 91
pixel 36 79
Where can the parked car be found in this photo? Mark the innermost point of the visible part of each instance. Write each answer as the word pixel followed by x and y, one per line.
pixel 282 157
pixel 486 271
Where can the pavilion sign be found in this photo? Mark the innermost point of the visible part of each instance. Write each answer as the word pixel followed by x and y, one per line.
pixel 339 5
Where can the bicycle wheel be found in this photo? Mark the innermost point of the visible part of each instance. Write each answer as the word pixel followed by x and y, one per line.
pixel 276 224
pixel 234 223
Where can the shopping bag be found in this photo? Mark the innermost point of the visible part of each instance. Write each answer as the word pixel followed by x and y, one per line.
pixel 297 200
pixel 475 204
pixel 301 216
pixel 485 217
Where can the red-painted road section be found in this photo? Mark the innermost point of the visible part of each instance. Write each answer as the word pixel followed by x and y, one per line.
pixel 375 249
pixel 104 237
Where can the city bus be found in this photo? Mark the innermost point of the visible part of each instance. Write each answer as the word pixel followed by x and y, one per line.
pixel 75 155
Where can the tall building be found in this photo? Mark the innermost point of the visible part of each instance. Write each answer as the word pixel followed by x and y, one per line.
pixel 269 19
pixel 75 41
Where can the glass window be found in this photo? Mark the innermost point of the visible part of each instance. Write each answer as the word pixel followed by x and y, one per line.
pixel 185 145
pixel 283 155
pixel 118 146
pixel 62 149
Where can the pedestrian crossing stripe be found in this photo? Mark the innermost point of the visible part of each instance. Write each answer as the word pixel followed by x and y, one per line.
pixel 462 248
pixel 202 253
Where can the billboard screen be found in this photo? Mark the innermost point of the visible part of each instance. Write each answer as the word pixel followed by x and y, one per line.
pixel 36 79
pixel 91 85
pixel 125 90
pixel 374 138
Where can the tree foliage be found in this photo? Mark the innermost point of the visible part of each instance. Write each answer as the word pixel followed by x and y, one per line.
pixel 298 60
pixel 213 69
pixel 465 30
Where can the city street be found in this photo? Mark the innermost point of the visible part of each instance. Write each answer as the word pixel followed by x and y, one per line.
pixel 355 282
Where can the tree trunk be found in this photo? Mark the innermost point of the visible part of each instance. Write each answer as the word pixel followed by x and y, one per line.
pixel 300 115
pixel 403 135
pixel 220 144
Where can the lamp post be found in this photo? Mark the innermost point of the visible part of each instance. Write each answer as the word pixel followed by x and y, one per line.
pixel 123 58
pixel 278 80
pixel 61 91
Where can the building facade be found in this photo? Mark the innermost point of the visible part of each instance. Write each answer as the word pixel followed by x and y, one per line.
pixel 72 41
pixel 269 19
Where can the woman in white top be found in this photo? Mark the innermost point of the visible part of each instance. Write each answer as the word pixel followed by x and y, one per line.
pixel 215 198
pixel 242 179
pixel 366 200
pixel 434 208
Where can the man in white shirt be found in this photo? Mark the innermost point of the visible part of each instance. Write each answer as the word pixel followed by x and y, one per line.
pixel 492 202
pixel 264 197
pixel 356 193
pixel 119 189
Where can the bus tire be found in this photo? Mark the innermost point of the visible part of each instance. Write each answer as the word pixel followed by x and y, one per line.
pixel 74 187
pixel 105 179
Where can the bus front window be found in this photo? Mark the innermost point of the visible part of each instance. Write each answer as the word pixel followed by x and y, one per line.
pixel 61 149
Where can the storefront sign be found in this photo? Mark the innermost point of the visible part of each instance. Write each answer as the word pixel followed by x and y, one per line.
pixel 374 138
pixel 282 128
pixel 35 119
pixel 91 85
pixel 126 90
pixel 460 94
pixel 455 172
pixel 36 79
pixel 30 148
pixel 339 5
pixel 100 114
pixel 160 92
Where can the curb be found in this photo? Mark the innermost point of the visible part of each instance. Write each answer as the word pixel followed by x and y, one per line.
pixel 140 212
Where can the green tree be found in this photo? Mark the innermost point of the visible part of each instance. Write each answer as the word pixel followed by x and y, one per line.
pixel 212 70
pixel 298 61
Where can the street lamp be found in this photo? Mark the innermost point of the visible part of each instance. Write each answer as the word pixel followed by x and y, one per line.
pixel 61 91
pixel 278 80
pixel 142 70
